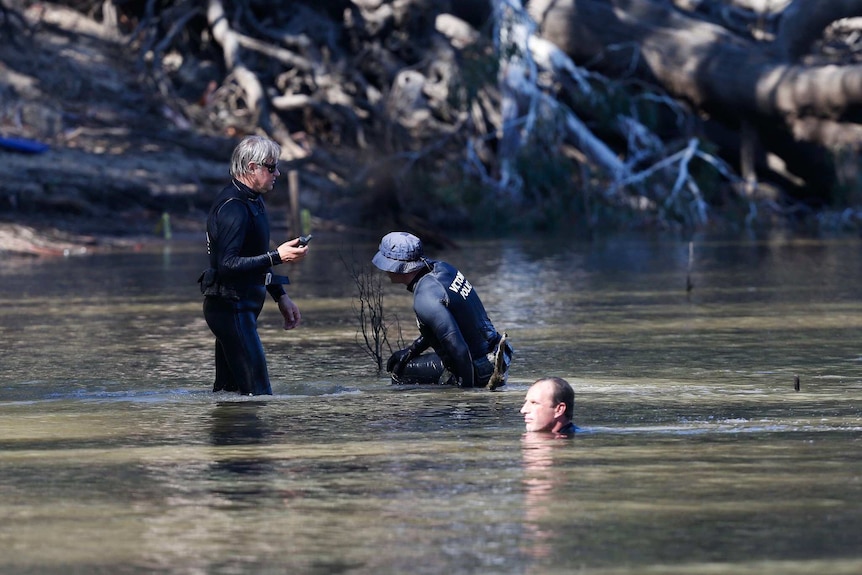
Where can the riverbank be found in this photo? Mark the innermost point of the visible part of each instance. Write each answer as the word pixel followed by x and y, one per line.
pixel 110 155
pixel 106 157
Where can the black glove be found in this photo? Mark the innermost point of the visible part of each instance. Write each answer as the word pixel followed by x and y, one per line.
pixel 398 360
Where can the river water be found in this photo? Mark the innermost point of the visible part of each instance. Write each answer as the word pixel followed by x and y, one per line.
pixel 696 454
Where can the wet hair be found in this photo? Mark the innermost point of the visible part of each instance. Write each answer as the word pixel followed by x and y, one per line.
pixel 563 393
pixel 255 149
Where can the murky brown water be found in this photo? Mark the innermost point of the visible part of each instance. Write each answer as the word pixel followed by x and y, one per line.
pixel 697 456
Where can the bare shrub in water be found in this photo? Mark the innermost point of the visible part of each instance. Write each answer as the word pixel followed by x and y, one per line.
pixel 368 308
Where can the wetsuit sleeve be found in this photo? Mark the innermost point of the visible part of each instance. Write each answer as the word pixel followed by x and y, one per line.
pixel 429 305
pixel 233 222
pixel 419 345
pixel 276 291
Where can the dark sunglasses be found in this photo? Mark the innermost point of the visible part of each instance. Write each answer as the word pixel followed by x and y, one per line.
pixel 270 167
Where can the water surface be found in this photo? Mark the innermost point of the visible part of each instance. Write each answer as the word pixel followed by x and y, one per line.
pixel 696 453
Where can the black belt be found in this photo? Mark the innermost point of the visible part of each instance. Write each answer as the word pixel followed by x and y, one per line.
pixel 271 278
pixel 263 279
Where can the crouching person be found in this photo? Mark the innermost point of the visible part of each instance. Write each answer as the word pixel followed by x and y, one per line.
pixel 467 349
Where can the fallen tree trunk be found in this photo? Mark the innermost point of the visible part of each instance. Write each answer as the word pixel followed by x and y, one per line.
pixel 735 80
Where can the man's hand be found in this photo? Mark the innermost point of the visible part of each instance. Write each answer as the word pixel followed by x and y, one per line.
pixel 289 311
pixel 290 252
pixel 398 361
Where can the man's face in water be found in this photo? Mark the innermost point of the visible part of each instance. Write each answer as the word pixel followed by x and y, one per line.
pixel 540 412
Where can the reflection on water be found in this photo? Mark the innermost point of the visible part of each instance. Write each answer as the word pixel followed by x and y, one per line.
pixel 231 424
pixel 697 455
pixel 543 489
pixel 238 423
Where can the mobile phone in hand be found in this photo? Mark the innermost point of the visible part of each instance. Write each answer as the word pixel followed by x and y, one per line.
pixel 303 240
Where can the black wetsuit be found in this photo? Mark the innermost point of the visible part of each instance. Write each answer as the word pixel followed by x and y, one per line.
pixel 452 321
pixel 568 429
pixel 238 242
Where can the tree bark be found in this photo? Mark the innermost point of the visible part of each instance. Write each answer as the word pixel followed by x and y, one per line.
pixel 804 21
pixel 731 78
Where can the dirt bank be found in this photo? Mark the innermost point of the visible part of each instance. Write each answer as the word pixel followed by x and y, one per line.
pixel 116 159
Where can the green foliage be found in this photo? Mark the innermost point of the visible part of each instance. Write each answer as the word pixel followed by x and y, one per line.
pixel 305 219
pixel 549 196
pixel 847 190
pixel 549 186
pixel 479 66
pixel 648 112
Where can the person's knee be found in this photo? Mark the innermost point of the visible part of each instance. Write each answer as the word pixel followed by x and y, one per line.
pixel 422 370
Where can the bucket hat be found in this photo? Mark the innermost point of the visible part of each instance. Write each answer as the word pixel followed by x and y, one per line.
pixel 399 252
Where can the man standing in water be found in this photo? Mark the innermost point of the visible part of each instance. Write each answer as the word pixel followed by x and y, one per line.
pixel 549 406
pixel 240 272
pixel 451 318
